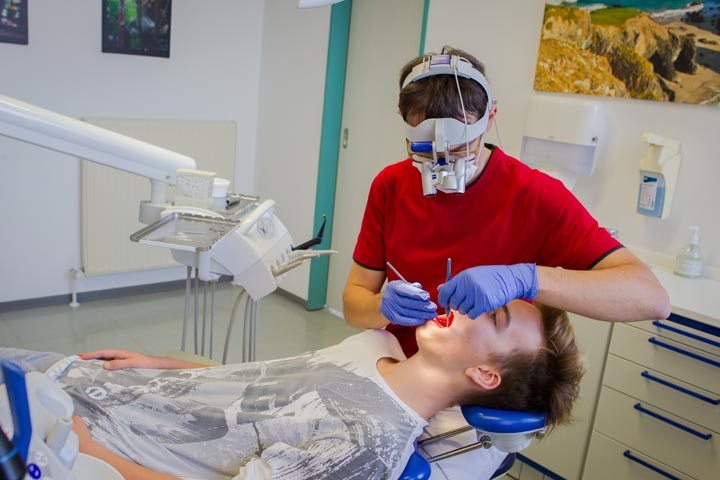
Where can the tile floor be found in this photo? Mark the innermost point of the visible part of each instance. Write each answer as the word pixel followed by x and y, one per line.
pixel 152 323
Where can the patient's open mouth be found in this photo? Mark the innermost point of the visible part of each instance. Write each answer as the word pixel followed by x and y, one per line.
pixel 445 320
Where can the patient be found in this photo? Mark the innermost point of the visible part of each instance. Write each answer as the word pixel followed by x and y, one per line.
pixel 352 410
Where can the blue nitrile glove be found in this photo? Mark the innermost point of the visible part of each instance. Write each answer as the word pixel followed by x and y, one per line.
pixel 481 289
pixel 407 304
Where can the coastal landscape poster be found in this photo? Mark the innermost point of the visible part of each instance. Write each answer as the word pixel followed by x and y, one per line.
pixel 664 50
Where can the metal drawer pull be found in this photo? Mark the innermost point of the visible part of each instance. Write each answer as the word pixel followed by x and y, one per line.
pixel 628 454
pixel 659 324
pixel 704 436
pixel 684 390
pixel 657 342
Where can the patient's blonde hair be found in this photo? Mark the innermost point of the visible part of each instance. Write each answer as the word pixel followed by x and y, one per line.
pixel 546 380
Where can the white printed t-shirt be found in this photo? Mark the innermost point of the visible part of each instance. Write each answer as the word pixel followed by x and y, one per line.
pixel 321 415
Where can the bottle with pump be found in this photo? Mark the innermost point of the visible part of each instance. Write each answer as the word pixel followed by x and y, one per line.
pixel 689 261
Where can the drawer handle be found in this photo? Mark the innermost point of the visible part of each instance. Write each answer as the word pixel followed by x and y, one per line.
pixel 684 390
pixel 657 342
pixel 628 454
pixel 659 324
pixel 704 436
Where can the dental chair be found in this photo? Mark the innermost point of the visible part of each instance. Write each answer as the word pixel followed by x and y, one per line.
pixel 508 431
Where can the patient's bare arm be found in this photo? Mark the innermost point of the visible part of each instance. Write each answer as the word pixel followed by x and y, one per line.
pixel 122 359
pixel 129 470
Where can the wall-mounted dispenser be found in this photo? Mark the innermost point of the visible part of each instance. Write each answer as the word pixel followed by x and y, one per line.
pixel 659 169
pixel 561 137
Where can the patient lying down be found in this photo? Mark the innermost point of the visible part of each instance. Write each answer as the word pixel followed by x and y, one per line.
pixel 349 411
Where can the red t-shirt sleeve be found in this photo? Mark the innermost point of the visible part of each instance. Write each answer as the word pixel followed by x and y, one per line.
pixel 574 239
pixel 370 247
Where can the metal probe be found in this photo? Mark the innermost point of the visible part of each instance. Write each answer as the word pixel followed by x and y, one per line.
pixel 448 275
pixel 396 272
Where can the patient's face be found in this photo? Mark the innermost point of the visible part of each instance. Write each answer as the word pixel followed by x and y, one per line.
pixel 516 326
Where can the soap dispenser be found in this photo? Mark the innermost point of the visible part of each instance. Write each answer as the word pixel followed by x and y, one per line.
pixel 689 261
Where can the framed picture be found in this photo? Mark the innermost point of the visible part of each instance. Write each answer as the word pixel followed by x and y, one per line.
pixel 136 27
pixel 14 21
pixel 662 50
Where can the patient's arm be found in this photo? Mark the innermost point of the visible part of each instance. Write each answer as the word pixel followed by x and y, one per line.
pixel 129 470
pixel 122 359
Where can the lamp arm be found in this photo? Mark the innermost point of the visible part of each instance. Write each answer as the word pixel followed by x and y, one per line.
pixel 54 131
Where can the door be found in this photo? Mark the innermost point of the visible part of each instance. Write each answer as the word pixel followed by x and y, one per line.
pixel 383 36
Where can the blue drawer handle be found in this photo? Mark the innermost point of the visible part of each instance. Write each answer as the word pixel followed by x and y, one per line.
pixel 684 390
pixel 704 436
pixel 657 342
pixel 659 324
pixel 645 464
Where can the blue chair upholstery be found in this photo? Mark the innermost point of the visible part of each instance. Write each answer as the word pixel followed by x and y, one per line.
pixel 502 421
pixel 486 420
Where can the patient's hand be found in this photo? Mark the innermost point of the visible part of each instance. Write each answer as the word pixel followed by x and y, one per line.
pixel 122 359
pixel 86 442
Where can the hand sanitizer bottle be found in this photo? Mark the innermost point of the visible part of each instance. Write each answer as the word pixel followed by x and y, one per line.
pixel 689 261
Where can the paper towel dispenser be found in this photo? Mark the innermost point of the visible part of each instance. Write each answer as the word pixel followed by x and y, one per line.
pixel 561 137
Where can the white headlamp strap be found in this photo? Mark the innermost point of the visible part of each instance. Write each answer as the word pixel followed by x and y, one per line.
pixel 454 130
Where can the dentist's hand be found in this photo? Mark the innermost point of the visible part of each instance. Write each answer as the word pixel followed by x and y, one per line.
pixel 481 289
pixel 407 304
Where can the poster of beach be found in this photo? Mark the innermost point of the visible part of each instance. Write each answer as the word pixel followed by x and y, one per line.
pixel 663 50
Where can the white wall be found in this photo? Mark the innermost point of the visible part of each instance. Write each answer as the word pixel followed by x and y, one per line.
pixel 212 74
pixel 292 87
pixel 505 36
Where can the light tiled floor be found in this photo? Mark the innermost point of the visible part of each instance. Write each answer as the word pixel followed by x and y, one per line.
pixel 152 323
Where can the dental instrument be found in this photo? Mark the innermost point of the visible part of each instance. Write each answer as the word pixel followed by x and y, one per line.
pixel 235 235
pixel 396 272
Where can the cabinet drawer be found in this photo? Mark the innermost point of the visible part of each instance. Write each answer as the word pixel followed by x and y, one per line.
pixel 705 341
pixel 648 386
pixel 607 460
pixel 618 418
pixel 635 345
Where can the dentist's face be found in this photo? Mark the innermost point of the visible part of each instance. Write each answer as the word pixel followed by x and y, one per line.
pixel 466 342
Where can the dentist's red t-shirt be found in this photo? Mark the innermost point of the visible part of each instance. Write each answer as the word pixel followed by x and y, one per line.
pixel 510 214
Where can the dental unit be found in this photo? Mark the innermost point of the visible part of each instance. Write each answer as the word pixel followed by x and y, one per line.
pixel 213 234
pixel 429 143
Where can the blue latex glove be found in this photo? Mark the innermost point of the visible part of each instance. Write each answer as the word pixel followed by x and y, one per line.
pixel 481 289
pixel 407 304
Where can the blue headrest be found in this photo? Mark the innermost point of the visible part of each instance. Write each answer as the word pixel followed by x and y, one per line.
pixel 502 421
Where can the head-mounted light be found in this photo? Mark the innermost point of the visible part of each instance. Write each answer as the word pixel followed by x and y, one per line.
pixel 436 135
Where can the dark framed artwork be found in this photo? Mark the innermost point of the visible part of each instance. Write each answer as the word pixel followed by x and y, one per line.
pixel 663 50
pixel 136 27
pixel 14 21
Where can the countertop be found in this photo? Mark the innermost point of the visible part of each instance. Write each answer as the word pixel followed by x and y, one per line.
pixel 696 298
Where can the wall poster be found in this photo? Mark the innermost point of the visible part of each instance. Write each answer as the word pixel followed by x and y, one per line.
pixel 14 21
pixel 663 50
pixel 136 27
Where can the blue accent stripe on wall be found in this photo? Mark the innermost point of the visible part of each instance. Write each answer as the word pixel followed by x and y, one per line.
pixel 423 32
pixel 329 146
